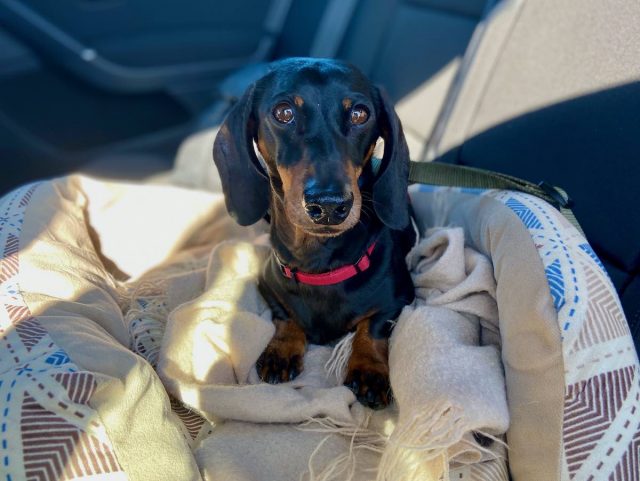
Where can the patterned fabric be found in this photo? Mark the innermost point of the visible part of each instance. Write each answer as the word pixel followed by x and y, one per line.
pixel 146 318
pixel 601 429
pixel 48 431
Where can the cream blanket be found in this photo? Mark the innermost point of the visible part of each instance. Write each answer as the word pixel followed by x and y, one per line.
pixel 67 312
pixel 445 372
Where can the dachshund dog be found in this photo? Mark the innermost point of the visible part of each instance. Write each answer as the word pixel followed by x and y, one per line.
pixel 339 219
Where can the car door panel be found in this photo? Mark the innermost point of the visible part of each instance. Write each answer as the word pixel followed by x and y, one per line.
pixel 81 77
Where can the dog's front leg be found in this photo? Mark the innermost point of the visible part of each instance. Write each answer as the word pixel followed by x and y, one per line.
pixel 368 368
pixel 282 359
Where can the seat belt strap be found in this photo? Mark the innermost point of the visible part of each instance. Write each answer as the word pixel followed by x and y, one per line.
pixel 333 28
pixel 436 173
pixel 273 25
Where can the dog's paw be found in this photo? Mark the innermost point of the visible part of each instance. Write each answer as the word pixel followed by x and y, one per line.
pixel 280 361
pixel 370 384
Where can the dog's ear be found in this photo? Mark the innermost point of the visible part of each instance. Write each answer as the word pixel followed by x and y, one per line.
pixel 244 183
pixel 390 199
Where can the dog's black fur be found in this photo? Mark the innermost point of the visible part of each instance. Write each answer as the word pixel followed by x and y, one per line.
pixel 322 152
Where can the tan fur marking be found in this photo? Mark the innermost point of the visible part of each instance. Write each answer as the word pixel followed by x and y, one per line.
pixel 286 348
pixel 347 103
pixel 289 337
pixel 354 174
pixel 369 359
pixel 363 317
pixel 293 179
pixel 292 187
pixel 299 101
pixel 367 351
pixel 262 148
pixel 369 154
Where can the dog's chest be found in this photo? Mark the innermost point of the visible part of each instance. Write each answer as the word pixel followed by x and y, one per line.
pixel 327 312
pixel 326 316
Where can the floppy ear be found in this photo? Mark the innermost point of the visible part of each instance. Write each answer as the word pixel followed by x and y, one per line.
pixel 392 180
pixel 244 183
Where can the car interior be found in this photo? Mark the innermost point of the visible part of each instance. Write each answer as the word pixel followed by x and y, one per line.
pixel 545 91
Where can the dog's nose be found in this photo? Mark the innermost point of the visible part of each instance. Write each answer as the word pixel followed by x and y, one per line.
pixel 328 208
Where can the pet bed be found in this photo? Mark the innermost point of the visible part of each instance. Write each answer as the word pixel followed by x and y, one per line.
pixel 91 270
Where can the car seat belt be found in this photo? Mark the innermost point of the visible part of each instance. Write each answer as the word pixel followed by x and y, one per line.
pixel 436 173
pixel 231 88
pixel 332 28
pixel 432 146
pixel 273 25
pixel 329 35
pixel 328 38
pixel 326 42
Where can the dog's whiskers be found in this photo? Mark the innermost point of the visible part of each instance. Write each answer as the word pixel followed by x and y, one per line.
pixel 369 198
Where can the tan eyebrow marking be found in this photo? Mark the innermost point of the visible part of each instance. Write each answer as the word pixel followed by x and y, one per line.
pixel 298 101
pixel 347 103
pixel 369 154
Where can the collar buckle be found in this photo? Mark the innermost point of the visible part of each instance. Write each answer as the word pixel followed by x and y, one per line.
pixel 286 271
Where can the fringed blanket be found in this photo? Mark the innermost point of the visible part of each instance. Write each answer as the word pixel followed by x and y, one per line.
pixel 90 271
pixel 444 365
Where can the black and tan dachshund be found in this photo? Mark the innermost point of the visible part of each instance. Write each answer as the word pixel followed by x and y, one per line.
pixel 340 225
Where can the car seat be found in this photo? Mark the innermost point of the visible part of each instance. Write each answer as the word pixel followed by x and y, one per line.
pixel 594 372
pixel 552 93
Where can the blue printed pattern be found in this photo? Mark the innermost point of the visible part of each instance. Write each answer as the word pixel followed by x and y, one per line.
pixel 526 215
pixel 556 283
pixel 589 250
pixel 599 435
pixel 58 358
pixel 601 427
pixel 541 219
pixel 48 430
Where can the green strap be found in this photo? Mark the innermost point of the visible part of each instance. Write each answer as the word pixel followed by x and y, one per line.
pixel 435 173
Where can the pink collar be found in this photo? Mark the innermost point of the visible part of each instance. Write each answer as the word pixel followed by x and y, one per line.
pixel 332 277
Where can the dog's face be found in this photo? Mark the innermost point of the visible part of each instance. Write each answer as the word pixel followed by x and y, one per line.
pixel 317 130
pixel 315 124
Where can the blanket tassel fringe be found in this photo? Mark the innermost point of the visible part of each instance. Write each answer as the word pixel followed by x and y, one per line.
pixel 414 452
pixel 417 450
pixel 344 467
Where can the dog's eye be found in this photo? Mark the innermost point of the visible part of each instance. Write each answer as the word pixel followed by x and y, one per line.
pixel 359 115
pixel 283 113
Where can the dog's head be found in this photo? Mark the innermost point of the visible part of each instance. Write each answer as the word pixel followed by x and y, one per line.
pixel 315 123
